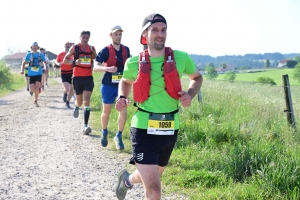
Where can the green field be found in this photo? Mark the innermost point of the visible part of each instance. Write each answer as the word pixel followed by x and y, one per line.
pixel 275 74
pixel 236 144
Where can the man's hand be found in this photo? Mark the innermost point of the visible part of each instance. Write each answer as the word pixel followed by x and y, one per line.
pixel 112 69
pixel 185 99
pixel 122 104
pixel 22 72
pixel 78 61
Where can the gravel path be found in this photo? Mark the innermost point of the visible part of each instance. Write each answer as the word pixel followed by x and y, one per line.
pixel 44 154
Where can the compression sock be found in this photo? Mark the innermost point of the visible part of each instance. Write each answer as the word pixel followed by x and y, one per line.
pixel 104 131
pixel 86 114
pixel 119 133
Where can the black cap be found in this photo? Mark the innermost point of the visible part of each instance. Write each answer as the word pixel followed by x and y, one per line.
pixel 148 21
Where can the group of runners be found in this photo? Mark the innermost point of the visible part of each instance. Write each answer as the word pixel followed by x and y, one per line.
pixel 153 76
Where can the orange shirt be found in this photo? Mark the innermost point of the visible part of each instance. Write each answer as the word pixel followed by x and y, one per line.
pixel 64 68
pixel 85 67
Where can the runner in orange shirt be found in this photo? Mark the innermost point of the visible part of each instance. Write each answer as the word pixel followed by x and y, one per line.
pixel 66 71
pixel 83 81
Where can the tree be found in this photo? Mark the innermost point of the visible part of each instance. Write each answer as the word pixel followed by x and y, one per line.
pixel 297 58
pixel 297 72
pixel 211 72
pixel 267 63
pixel 230 76
pixel 224 65
pixel 291 63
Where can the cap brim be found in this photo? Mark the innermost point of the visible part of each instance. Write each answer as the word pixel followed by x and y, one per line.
pixel 143 40
pixel 117 30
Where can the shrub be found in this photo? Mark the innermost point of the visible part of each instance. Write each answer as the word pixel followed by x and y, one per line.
pixel 5 76
pixel 265 80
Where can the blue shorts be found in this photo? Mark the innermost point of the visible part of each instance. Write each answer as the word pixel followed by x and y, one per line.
pixel 109 94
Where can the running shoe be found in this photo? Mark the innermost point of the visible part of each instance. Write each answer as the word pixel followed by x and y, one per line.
pixel 76 112
pixel 36 104
pixel 121 189
pixel 46 84
pixel 68 104
pixel 31 93
pixel 27 88
pixel 86 130
pixel 119 142
pixel 103 139
pixel 65 97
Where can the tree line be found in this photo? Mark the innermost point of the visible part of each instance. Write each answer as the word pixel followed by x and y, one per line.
pixel 247 61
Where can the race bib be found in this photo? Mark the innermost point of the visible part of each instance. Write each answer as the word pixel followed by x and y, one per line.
pixel 161 124
pixel 116 77
pixel 85 60
pixel 35 69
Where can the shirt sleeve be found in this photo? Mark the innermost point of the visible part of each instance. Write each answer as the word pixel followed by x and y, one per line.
pixel 131 68
pixel 27 57
pixel 102 55
pixel 190 66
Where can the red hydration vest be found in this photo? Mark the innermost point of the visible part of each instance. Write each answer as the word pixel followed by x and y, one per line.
pixel 112 59
pixel 84 68
pixel 141 86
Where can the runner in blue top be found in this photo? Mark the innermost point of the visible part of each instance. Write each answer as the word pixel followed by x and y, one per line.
pixel 37 63
pixel 113 57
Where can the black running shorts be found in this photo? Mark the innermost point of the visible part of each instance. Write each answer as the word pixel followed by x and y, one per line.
pixel 33 79
pixel 151 149
pixel 81 83
pixel 66 78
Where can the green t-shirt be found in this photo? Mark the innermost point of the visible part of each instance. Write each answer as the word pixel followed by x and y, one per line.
pixel 159 100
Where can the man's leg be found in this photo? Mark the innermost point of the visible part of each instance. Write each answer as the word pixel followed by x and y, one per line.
pixel 66 86
pixel 86 96
pixel 37 87
pixel 121 124
pixel 46 77
pixel 106 110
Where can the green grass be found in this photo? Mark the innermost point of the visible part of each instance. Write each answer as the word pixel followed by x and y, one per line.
pixel 236 144
pixel 11 81
pixel 275 74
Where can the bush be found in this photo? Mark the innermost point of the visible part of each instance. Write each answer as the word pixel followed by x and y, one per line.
pixel 6 77
pixel 230 76
pixel 265 80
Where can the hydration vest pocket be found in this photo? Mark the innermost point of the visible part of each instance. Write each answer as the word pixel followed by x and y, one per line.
pixel 141 87
pixel 174 85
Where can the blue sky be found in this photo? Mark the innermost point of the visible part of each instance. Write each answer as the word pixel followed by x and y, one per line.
pixel 206 27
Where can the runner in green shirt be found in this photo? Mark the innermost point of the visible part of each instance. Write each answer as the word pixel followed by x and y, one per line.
pixel 154 127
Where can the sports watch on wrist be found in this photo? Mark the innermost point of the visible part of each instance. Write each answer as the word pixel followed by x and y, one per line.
pixel 121 96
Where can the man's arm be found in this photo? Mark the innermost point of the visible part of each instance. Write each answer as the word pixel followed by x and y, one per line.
pixel 124 90
pixel 100 68
pixel 67 59
pixel 196 80
pixel 22 67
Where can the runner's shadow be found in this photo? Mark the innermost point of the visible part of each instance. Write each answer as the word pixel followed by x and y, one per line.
pixel 94 136
pixel 6 102
pixel 59 108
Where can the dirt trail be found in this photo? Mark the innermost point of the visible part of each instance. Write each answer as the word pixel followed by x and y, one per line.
pixel 44 154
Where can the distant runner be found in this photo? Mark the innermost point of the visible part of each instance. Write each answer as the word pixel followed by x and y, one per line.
pixel 37 63
pixel 83 81
pixel 66 71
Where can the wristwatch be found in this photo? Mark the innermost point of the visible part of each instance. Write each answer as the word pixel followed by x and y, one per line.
pixel 121 96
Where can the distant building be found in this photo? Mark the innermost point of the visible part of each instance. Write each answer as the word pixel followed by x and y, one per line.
pixel 14 59
pixel 282 63
pixel 50 55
